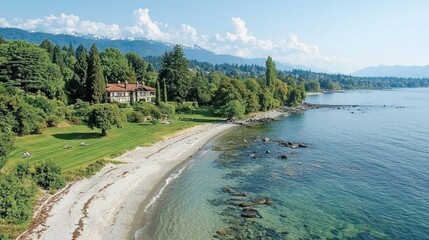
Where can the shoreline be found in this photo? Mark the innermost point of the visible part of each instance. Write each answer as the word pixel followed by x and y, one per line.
pixel 106 205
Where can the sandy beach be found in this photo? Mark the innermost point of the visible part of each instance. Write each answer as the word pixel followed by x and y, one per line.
pixel 104 206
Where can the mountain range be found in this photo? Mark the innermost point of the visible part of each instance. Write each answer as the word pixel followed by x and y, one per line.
pixel 394 71
pixel 143 47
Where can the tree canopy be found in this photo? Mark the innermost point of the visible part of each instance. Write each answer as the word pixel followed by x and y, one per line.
pixel 174 70
pixel 105 117
pixel 95 83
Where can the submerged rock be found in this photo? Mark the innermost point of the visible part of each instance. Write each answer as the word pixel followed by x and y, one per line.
pixel 250 213
pixel 302 145
pixel 263 201
pixel 283 156
pixel 221 232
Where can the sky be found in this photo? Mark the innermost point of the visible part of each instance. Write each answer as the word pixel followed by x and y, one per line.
pixel 336 35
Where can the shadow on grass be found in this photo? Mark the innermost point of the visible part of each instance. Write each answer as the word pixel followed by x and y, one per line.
pixel 76 136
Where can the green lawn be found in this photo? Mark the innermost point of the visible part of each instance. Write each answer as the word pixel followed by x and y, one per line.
pixel 50 144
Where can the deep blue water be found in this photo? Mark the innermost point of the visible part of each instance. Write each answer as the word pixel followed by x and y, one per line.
pixel 364 175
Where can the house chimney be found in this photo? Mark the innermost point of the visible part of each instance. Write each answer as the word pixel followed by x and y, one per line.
pixel 126 84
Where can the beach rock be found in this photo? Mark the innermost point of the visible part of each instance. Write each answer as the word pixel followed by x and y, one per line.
pixel 294 146
pixel 283 156
pixel 302 145
pixel 283 143
pixel 250 213
pixel 252 155
pixel 266 139
pixel 268 151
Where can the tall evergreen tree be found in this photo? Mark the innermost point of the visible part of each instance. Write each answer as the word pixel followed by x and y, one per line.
pixel 70 50
pixel 56 57
pixel 138 65
pixel 270 74
pixel 76 87
pixel 158 94
pixel 48 46
pixel 164 97
pixel 95 83
pixel 174 69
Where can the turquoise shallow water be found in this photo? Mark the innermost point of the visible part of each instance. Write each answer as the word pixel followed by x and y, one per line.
pixel 365 175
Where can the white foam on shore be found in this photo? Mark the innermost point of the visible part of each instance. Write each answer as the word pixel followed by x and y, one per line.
pixel 171 178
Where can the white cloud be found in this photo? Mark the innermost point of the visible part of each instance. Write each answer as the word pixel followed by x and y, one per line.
pixel 146 27
pixel 64 24
pixel 238 40
pixel 4 23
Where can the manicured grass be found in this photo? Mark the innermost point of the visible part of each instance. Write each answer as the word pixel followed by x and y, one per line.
pixel 50 144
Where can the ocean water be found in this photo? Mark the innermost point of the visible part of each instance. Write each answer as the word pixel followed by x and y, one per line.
pixel 364 175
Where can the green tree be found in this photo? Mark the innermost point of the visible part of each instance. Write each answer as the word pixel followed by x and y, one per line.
pixel 29 67
pixel 138 65
pixel 312 86
pixel 57 57
pixel 115 66
pixel 233 109
pixel 266 99
pixel 200 90
pixel 164 91
pixel 229 90
pixel 174 69
pixel 76 87
pixel 48 46
pixel 151 76
pixel 95 83
pixel 252 98
pixel 106 116
pixel 48 176
pixel 16 199
pixel 2 40
pixel 270 74
pixel 282 92
pixel 158 94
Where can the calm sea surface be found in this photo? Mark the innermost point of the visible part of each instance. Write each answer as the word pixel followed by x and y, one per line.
pixel 364 175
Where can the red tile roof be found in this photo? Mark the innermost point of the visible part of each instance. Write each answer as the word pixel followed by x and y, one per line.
pixel 131 87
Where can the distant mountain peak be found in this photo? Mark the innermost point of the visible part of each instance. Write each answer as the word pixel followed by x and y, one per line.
pixel 141 46
pixel 394 71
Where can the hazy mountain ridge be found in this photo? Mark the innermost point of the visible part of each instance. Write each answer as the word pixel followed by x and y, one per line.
pixel 394 71
pixel 143 47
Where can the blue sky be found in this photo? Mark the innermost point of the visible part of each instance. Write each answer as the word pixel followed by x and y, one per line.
pixel 337 35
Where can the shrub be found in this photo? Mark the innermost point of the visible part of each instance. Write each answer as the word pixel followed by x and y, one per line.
pixel 22 170
pixel 16 199
pixel 6 142
pixel 167 108
pixel 186 106
pixel 148 109
pixel 122 104
pixel 48 176
pixel 91 169
pixel 135 117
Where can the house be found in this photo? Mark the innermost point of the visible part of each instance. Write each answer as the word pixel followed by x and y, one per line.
pixel 124 92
